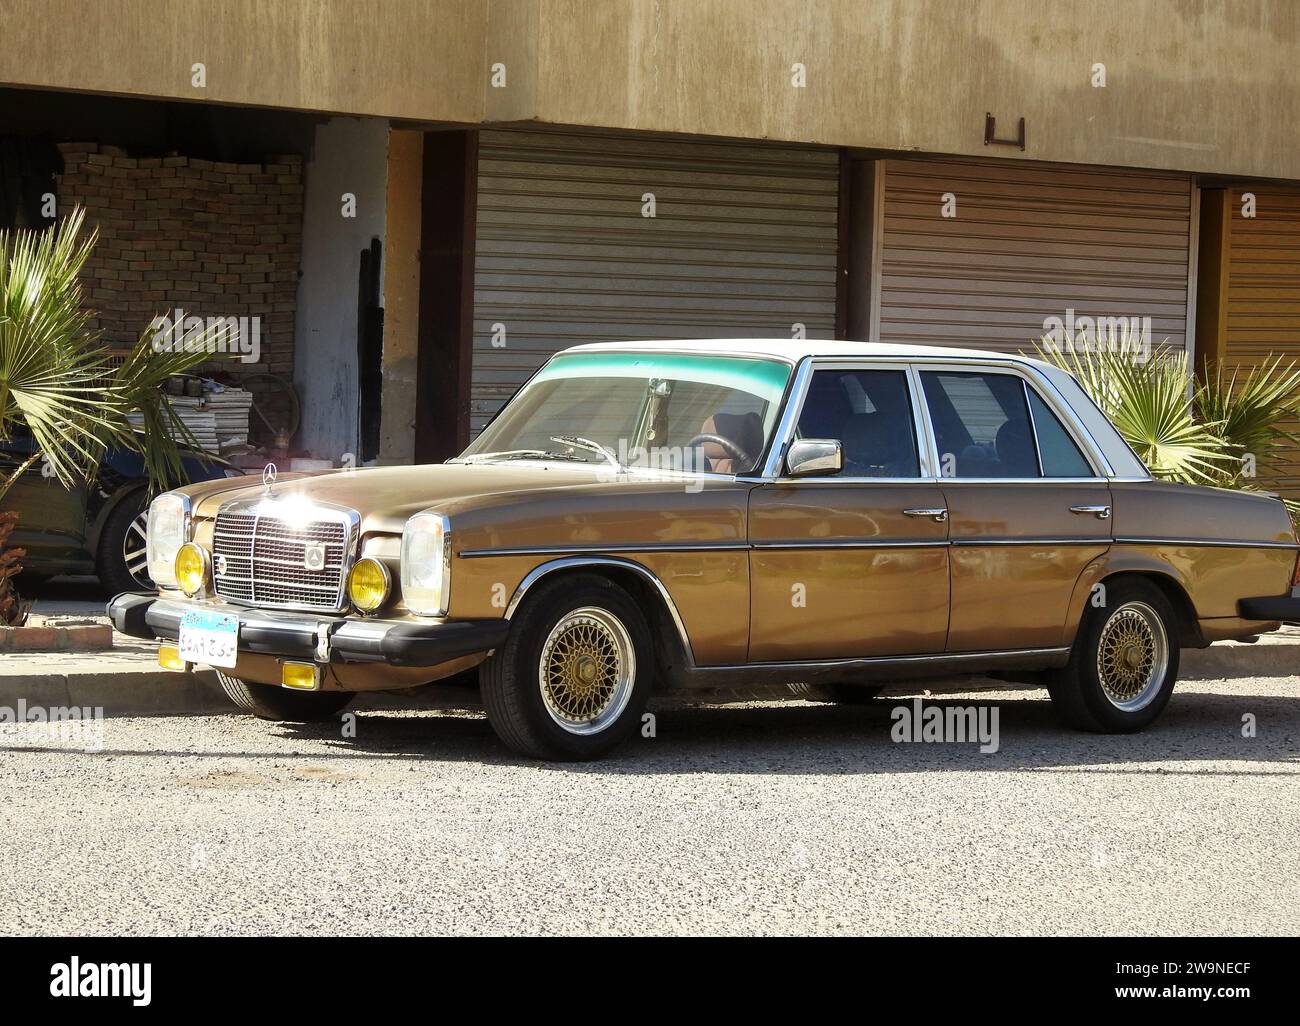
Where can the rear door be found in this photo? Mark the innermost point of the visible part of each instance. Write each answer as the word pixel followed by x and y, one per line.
pixel 1028 509
pixel 854 564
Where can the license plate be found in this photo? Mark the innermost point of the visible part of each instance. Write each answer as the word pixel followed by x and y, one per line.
pixel 211 638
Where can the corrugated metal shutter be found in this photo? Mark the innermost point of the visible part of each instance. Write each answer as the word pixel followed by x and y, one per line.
pixel 743 244
pixel 1029 242
pixel 1263 297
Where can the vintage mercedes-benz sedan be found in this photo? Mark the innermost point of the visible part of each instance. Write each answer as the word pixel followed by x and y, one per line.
pixel 643 516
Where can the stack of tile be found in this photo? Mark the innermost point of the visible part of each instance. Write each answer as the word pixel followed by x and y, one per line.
pixel 231 407
pixel 202 423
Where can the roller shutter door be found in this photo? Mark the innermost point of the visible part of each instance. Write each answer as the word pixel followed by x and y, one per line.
pixel 1029 242
pixel 743 244
pixel 1261 315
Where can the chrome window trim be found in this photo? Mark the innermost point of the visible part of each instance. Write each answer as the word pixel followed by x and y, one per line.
pixel 1092 453
pixel 1031 376
pixel 774 470
pixel 349 518
pixel 538 572
pixel 1033 427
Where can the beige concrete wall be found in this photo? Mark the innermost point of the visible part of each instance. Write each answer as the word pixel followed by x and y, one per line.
pixel 1191 84
pixel 399 58
pixel 1201 85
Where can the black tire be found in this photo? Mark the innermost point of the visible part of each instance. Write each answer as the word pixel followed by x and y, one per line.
pixel 268 702
pixel 1077 691
pixel 850 694
pixel 111 556
pixel 512 684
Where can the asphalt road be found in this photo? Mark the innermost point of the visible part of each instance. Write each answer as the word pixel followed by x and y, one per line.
pixel 763 818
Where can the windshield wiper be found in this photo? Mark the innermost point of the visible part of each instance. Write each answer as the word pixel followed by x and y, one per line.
pixel 519 454
pixel 590 446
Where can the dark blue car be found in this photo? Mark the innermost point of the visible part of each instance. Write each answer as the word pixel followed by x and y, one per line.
pixel 96 528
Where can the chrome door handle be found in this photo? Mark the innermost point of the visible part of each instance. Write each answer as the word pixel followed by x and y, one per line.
pixel 938 515
pixel 1100 512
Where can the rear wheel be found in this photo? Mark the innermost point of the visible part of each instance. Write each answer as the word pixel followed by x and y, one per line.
pixel 575 673
pixel 1124 662
pixel 268 702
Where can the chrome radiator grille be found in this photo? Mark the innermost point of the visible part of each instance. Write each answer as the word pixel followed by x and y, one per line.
pixel 269 560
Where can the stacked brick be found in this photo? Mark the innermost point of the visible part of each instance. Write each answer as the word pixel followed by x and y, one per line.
pixel 215 239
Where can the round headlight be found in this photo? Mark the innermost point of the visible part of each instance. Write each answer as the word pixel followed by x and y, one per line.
pixel 369 584
pixel 191 568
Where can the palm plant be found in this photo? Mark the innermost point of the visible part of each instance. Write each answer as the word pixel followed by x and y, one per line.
pixel 1148 395
pixel 1252 411
pixel 57 380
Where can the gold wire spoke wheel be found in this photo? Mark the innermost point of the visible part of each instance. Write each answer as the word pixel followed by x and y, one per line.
pixel 1132 656
pixel 586 670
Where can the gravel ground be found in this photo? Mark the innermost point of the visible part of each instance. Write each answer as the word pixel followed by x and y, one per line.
pixel 749 818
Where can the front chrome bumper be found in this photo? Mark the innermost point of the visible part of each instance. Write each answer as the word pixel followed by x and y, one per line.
pixel 320 638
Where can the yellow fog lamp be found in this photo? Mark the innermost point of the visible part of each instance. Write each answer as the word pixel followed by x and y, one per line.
pixel 300 676
pixel 169 658
pixel 192 567
pixel 369 584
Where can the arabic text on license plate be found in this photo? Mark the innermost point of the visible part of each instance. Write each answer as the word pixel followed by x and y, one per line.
pixel 211 638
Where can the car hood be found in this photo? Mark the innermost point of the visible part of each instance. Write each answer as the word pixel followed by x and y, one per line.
pixel 386 496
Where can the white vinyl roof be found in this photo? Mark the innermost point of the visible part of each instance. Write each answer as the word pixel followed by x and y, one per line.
pixel 795 349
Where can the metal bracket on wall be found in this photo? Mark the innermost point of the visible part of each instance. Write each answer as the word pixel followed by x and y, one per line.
pixel 990 130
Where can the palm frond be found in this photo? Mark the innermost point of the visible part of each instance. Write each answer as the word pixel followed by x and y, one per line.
pixel 56 379
pixel 1147 394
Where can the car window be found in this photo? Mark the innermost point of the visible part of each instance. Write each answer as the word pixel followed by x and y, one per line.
pixel 870 412
pixel 1060 456
pixel 981 424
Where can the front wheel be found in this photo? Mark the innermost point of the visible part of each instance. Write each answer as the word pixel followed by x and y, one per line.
pixel 575 673
pixel 122 564
pixel 1123 664
pixel 268 702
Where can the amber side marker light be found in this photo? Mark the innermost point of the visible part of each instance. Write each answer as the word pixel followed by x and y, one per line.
pixel 169 658
pixel 300 676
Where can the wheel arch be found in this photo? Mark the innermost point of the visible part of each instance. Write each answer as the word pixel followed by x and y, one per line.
pixel 671 641
pixel 1108 570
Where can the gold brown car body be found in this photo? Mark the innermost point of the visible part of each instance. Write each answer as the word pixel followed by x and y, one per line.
pixel 976 514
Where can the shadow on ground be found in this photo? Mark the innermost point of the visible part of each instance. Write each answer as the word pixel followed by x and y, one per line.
pixel 1198 729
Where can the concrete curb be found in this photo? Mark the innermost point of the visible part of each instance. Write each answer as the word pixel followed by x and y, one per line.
pixel 1271 656
pixel 151 692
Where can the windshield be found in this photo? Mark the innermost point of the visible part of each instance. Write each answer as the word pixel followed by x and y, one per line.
pixel 665 411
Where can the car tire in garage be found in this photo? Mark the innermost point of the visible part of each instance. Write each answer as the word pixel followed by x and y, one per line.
pixel 1123 664
pixel 574 675
pixel 268 702
pixel 120 558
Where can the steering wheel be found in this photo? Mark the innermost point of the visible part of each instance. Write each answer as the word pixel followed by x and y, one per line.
pixel 727 445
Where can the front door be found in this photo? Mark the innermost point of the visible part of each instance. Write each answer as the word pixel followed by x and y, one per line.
pixel 856 564
pixel 1028 510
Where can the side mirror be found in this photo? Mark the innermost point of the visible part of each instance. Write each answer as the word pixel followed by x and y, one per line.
pixel 811 457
